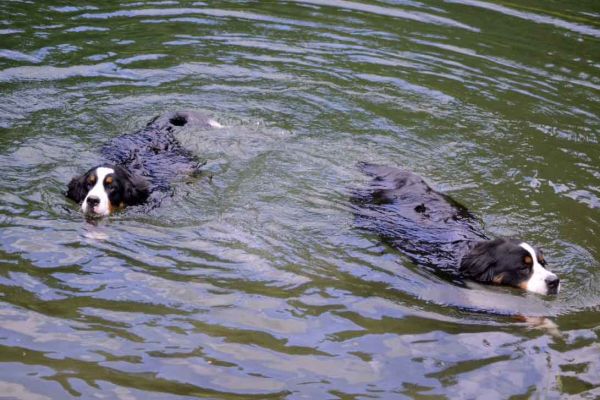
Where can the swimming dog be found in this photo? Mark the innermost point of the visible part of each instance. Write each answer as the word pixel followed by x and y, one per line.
pixel 434 230
pixel 139 164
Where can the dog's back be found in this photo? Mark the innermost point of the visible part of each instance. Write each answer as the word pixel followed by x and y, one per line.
pixel 429 227
pixel 154 152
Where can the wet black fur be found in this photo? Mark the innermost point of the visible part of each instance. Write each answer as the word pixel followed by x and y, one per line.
pixel 434 230
pixel 147 160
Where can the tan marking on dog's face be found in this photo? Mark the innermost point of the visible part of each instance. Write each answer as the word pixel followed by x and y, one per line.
pixel 523 285
pixel 108 180
pixel 498 279
pixel 112 208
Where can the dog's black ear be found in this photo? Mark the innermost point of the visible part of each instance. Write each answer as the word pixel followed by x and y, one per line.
pixel 77 189
pixel 136 189
pixel 479 264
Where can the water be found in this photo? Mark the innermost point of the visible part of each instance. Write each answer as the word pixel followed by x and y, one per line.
pixel 256 283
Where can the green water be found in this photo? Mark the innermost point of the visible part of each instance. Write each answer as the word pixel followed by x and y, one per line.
pixel 255 283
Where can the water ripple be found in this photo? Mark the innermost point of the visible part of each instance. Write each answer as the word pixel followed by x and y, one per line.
pixel 252 280
pixel 533 17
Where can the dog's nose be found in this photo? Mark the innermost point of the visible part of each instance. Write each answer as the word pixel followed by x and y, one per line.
pixel 93 201
pixel 552 282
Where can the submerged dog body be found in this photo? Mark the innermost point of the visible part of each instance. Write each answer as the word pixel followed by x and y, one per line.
pixel 435 231
pixel 140 163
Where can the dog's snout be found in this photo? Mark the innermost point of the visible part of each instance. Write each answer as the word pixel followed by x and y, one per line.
pixel 93 201
pixel 552 282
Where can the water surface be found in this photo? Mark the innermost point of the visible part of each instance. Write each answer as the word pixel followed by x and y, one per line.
pixel 252 281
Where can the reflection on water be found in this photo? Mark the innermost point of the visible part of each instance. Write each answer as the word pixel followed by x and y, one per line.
pixel 251 280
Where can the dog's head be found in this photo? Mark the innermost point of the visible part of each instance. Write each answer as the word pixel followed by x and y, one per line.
pixel 104 189
pixel 512 263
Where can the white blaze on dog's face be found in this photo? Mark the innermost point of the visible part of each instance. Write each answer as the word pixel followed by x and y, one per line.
pixel 541 280
pixel 96 202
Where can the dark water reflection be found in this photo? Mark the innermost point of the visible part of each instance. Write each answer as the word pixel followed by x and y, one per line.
pixel 255 282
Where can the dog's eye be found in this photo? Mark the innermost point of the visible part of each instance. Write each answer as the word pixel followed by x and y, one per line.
pixel 525 270
pixel 528 261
